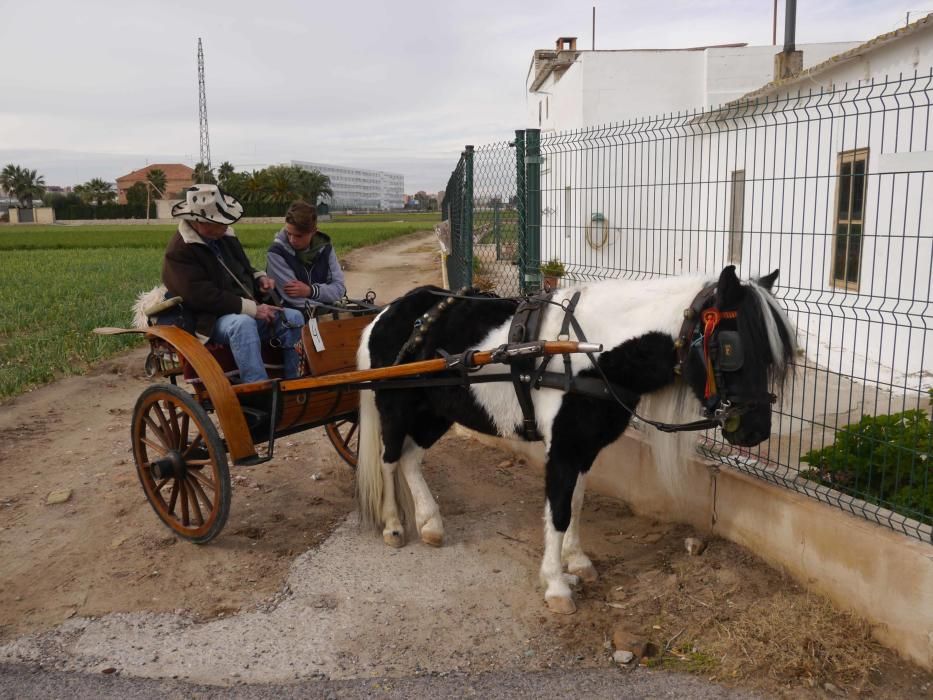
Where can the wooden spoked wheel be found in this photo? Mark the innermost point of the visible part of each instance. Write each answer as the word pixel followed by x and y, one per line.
pixel 181 462
pixel 345 437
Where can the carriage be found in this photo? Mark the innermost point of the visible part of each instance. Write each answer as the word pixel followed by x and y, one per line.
pixel 184 439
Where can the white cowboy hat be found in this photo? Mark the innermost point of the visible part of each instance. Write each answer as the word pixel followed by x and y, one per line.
pixel 208 203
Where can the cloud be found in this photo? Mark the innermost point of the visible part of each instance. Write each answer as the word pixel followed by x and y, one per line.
pixel 398 86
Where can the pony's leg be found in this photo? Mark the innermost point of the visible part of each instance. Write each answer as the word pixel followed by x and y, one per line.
pixel 558 597
pixel 578 564
pixel 427 516
pixel 392 533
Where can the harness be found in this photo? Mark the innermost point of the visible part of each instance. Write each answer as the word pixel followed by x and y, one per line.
pixel 721 352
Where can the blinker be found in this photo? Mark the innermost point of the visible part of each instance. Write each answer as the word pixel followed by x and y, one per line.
pixel 730 356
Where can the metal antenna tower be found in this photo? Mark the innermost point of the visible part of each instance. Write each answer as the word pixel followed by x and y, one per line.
pixel 202 109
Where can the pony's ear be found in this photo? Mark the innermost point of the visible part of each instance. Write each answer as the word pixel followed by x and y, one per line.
pixel 768 281
pixel 728 288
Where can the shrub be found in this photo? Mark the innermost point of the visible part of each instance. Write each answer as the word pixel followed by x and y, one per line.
pixel 553 268
pixel 887 460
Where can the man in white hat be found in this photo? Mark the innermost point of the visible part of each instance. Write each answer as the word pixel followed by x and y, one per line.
pixel 206 265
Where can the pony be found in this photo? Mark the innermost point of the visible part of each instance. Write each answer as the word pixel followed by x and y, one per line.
pixel 693 346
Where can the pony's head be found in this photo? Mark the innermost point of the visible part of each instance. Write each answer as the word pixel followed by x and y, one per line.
pixel 737 344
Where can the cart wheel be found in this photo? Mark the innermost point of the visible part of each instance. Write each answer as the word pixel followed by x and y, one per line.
pixel 345 437
pixel 181 462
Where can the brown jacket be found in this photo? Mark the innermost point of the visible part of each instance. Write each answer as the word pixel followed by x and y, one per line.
pixel 191 270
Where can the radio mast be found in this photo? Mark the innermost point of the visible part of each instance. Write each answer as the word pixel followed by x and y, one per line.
pixel 202 109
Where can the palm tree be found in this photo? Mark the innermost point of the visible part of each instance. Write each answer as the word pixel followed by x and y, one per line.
pixel 312 185
pixel 8 177
pixel 282 185
pixel 203 174
pixel 254 187
pixel 28 185
pixel 96 191
pixel 224 172
pixel 156 178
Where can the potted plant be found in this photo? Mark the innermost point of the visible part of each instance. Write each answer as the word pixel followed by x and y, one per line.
pixel 552 271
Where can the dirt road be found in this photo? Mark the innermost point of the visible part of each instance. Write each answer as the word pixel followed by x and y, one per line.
pixel 293 590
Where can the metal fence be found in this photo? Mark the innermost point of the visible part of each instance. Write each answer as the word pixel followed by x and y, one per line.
pixel 828 186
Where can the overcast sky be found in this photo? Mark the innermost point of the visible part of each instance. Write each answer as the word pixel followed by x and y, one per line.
pixel 99 88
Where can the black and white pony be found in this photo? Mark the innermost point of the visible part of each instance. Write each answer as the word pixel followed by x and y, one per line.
pixel 649 351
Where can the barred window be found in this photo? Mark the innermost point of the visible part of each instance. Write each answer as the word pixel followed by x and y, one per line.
pixel 850 218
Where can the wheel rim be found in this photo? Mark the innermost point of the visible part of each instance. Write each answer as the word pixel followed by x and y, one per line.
pixel 178 463
pixel 345 438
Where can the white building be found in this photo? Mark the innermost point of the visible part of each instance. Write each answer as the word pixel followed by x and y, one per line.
pixel 358 188
pixel 569 88
pixel 824 175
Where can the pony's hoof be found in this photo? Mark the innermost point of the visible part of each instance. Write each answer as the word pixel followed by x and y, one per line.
pixel 587 574
pixel 394 538
pixel 433 538
pixel 561 606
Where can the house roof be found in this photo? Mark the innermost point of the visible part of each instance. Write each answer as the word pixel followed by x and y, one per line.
pixel 840 58
pixel 173 171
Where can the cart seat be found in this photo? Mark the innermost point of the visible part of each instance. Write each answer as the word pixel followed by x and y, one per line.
pixel 271 358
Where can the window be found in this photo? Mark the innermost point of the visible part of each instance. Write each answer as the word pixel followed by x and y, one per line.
pixel 737 216
pixel 850 218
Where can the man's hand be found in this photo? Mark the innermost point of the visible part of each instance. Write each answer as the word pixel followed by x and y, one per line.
pixel 297 289
pixel 267 313
pixel 266 283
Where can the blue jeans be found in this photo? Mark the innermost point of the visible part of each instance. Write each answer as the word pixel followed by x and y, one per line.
pixel 245 334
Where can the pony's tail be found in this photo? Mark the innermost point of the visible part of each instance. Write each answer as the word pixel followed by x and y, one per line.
pixel 369 485
pixel 369 479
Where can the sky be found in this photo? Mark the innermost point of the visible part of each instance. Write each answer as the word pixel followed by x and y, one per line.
pixel 98 88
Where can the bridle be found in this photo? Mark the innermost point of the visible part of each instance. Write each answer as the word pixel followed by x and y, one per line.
pixel 721 353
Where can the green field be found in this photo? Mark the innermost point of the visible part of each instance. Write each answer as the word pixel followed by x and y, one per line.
pixel 57 283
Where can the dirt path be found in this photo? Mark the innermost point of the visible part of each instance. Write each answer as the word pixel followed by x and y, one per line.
pixel 292 589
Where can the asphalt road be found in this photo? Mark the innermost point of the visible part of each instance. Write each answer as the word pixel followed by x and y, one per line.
pixel 17 682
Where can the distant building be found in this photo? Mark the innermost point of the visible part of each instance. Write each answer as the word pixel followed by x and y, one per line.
pixel 358 188
pixel 177 177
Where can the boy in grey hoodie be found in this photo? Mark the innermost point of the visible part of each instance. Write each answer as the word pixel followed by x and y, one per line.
pixel 302 261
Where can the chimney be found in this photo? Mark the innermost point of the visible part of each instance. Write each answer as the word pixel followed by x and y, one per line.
pixel 566 43
pixel 789 62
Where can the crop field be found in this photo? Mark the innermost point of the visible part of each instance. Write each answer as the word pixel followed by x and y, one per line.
pixel 57 283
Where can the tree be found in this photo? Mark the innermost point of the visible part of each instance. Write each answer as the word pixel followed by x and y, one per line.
pixel 312 185
pixel 254 186
pixel 137 195
pixel 203 175
pixel 224 172
pixel 156 178
pixel 8 177
pixel 281 184
pixel 24 184
pixel 426 201
pixel 96 191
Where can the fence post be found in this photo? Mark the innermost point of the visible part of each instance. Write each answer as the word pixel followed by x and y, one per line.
pixel 533 209
pixel 520 205
pixel 467 231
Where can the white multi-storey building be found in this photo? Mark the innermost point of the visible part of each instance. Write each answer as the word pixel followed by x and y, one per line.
pixel 359 188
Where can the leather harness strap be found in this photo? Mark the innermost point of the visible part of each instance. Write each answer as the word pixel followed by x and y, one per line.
pixel 526 324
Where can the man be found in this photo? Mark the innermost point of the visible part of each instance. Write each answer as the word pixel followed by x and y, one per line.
pixel 302 261
pixel 206 265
